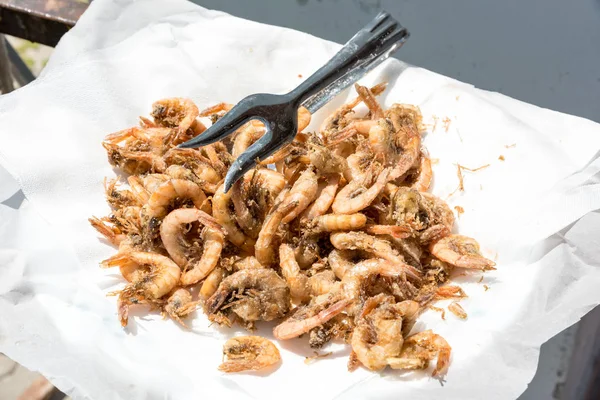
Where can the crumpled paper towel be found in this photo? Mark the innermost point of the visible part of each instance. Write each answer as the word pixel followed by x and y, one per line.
pixel 536 213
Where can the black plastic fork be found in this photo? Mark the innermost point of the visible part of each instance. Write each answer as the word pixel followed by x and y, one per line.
pixel 279 112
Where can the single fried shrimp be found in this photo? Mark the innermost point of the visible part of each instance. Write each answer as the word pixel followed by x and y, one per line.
pixel 378 247
pixel 378 332
pixel 355 196
pixel 118 198
pixel 324 198
pixel 175 113
pixel 172 235
pixel 175 189
pixel 290 270
pixel 339 222
pixel 162 276
pixel 222 213
pixel 211 283
pixel 419 349
pixel 322 283
pixel 461 251
pixel 264 249
pixel 424 177
pixel 244 353
pixel 180 304
pixel 302 194
pixel 320 310
pixel 395 231
pixel 252 294
pixel 341 261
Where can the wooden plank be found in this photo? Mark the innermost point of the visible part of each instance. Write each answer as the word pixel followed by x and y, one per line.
pixel 41 21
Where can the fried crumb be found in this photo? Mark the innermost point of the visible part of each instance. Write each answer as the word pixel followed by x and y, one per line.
pixel 457 310
pixel 501 158
pixel 299 75
pixel 435 122
pixel 510 146
pixel 457 97
pixel 446 121
pixel 459 210
pixel 440 310
pixel 486 287
pixel 312 359
pixel 434 161
pixel 480 279
pixel 459 173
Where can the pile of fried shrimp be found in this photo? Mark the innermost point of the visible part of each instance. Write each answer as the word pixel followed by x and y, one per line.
pixel 340 240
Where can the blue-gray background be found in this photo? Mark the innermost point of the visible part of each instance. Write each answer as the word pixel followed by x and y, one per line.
pixel 545 52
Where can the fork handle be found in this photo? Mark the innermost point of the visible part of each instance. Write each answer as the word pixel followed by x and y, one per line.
pixel 378 38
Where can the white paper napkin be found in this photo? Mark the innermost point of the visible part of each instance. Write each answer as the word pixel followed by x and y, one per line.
pixel 535 212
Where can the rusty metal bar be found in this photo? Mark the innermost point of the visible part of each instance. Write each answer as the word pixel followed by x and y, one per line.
pixel 6 79
pixel 40 21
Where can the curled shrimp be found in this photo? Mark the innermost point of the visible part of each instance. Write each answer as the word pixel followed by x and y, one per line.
pixel 248 262
pixel 264 249
pixel 424 177
pixel 180 304
pixel 355 281
pixel 325 195
pixel 177 113
pixel 245 353
pixel 247 135
pixel 341 261
pixel 301 194
pixel 172 235
pixel 290 270
pixel 211 283
pixel 339 222
pixel 162 276
pixel 378 332
pixel 175 189
pixel 376 246
pixel 222 214
pixel 395 231
pixel 461 251
pixel 419 349
pixel 252 294
pixel 319 311
pixel 355 196
pixel 322 283
pixel 118 198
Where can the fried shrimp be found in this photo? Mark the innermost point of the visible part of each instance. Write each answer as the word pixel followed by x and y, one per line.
pixel 320 310
pixel 461 251
pixel 172 235
pixel 378 332
pixel 180 304
pixel 248 353
pixel 378 247
pixel 264 248
pixel 419 349
pixel 174 190
pixel 324 198
pixel 161 277
pixel 253 295
pixel 301 194
pixel 355 196
pixel 222 213
pixel 290 270
pixel 340 240
pixel 177 113
pixel 339 222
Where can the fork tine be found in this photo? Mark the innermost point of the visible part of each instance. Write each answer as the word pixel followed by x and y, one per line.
pixel 262 148
pixel 225 126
